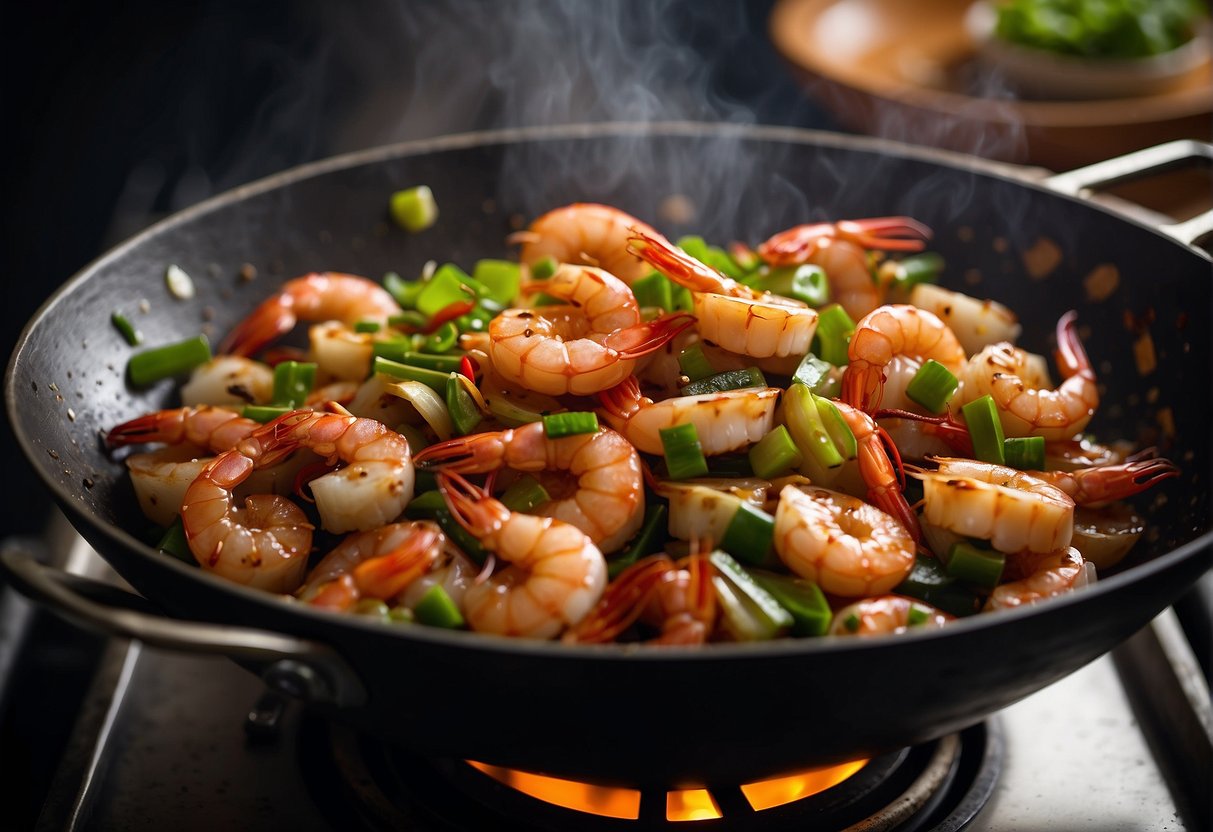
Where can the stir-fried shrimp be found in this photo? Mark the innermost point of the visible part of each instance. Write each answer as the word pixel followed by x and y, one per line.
pixel 581 349
pixel 849 547
pixel 319 296
pixel 585 233
pixel 377 481
pixel 265 543
pixel 726 421
pixel 1015 511
pixel 888 331
pixel 1027 410
pixel 554 574
pixel 607 502
pixel 229 380
pixel 213 428
pixel 378 563
pixel 1046 574
pixel 886 615
pixel 732 314
pixel 879 471
pixel 1099 485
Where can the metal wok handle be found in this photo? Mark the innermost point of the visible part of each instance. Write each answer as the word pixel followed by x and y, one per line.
pixel 1136 166
pixel 298 667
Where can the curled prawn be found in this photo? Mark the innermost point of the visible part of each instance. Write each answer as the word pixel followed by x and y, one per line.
pixel 585 233
pixel 731 314
pixel 678 599
pixel 1046 575
pixel 607 501
pixel 319 296
pixel 214 428
pixel 1024 408
pixel 879 466
pixel 378 563
pixel 886 615
pixel 554 573
pixel 888 331
pixel 726 421
pixel 582 348
pixel 839 248
pixel 848 547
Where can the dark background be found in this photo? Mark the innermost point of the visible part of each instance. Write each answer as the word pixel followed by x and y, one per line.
pixel 118 114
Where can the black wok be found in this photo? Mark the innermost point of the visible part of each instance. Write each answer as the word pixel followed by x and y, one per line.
pixel 618 713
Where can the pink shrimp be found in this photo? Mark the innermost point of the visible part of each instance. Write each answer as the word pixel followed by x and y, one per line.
pixel 891 330
pixel 1045 575
pixel 588 234
pixel 214 428
pixel 378 563
pixel 886 615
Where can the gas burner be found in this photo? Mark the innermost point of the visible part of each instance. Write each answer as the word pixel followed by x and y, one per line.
pixel 937 785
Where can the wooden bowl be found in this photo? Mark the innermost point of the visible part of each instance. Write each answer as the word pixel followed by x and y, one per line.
pixel 912 71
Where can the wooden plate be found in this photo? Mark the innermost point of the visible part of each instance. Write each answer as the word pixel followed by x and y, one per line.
pixel 909 71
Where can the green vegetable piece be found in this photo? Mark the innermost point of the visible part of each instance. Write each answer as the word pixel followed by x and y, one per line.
pixel 651 537
pixel 431 505
pixel 975 565
pixel 168 361
pixel 932 386
pixel 510 414
pixel 981 417
pixel 543 269
pixel 682 299
pixel 404 291
pixel 465 412
pixel 775 454
pixel 838 429
pixel 730 465
pixel 424 479
pixel 851 622
pixel 654 290
pixel 808 431
pixel 439 363
pixel 524 495
pixel 450 284
pixel 917 615
pixel 1027 453
pixel 750 535
pixel 814 374
pixel 372 608
pixel 928 582
pixel 367 326
pixel 728 380
pixel 804 283
pixel 173 542
pixel 834 331
pixel 433 379
pixel 400 615
pixel 683 453
pixel 570 424
pixel 750 612
pixel 918 268
pixel 713 256
pixel 694 364
pixel 501 279
pixel 264 412
pixel 442 339
pixel 414 209
pixel 803 599
pixel 436 609
pixel 410 319
pixel 133 336
pixel 293 381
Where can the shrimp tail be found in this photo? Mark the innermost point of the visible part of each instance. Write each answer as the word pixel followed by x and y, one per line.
pixel 471 506
pixel 272 319
pixel 1104 483
pixel 622 400
pixel 388 575
pixel 160 426
pixel 644 338
pixel 464 454
pixel 1071 357
pixel 798 244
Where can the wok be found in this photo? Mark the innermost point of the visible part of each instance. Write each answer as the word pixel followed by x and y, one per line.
pixel 617 713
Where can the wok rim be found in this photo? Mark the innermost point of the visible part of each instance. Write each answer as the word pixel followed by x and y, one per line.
pixel 432 636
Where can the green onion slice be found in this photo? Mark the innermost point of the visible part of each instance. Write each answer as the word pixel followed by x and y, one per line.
pixel 544 269
pixel 464 410
pixel 729 380
pixel 838 429
pixel 814 374
pixel 683 454
pixel 414 209
pixel 981 417
pixel 694 364
pixel 570 424
pixel 171 360
pixel 436 609
pixel 430 378
pixel 174 542
pixel 932 386
pixel 654 290
pixel 1027 453
pixel 524 494
pixel 803 599
pixel 807 429
pixel 133 336
pixel 975 565
pixel 293 381
pixel 750 535
pixel 775 454
pixel 834 331
pixel 501 279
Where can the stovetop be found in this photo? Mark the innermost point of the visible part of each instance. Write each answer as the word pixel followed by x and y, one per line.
pixel 163 741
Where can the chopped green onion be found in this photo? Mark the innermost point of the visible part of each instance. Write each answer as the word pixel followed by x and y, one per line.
pixel 834 331
pixel 433 379
pixel 400 615
pixel 981 417
pixel 682 299
pixel 570 424
pixel 813 373
pixel 436 609
pixel 929 582
pixel 649 539
pixel 394 349
pixel 750 612
pixel 713 256
pixel 974 565
pixel 410 319
pixel 450 284
pixel 775 454
pixel 805 283
pixel 510 414
pixel 465 413
pixel 803 599
pixel 851 622
pixel 265 412
pixel 543 269
pixel 808 431
pixel 524 495
pixel 917 615
pixel 932 386
pixel 372 608
pixel 750 535
pixel 919 268
pixel 133 336
pixel 180 285
pixel 293 381
pixel 501 279
pixel 694 364
pixel 683 453
pixel 414 209
pixel 404 291
pixel 838 429
pixel 728 380
pixel 654 290
pixel 1027 453
pixel 174 542
pixel 367 326
pixel 158 363
pixel 399 352
pixel 443 338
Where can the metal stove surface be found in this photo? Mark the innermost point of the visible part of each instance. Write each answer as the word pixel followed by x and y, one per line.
pixel 161 743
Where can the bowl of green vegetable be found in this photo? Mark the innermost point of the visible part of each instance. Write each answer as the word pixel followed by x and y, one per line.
pixel 1086 49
